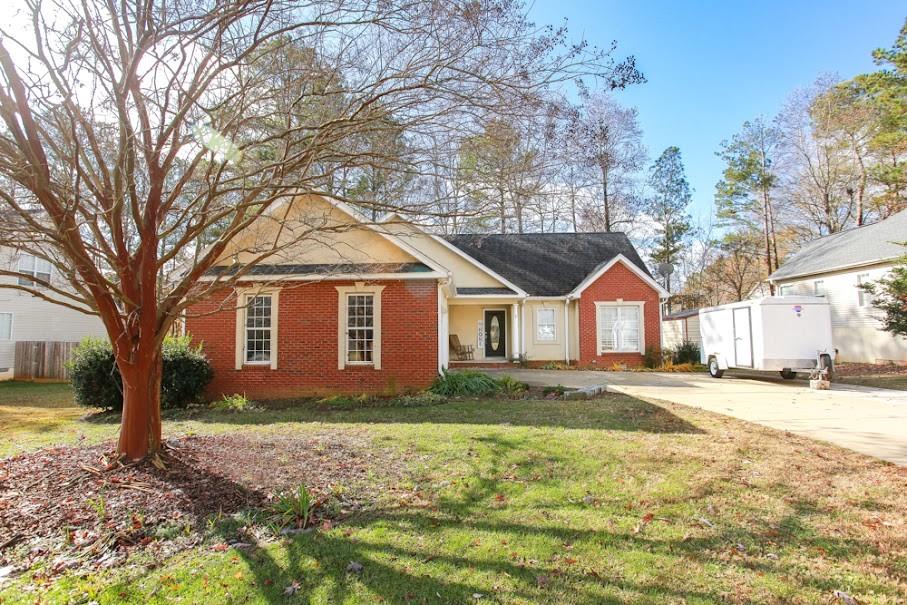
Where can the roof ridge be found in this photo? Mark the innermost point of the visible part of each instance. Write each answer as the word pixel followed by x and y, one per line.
pixel 855 228
pixel 574 233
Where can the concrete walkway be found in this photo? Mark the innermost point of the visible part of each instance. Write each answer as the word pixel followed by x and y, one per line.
pixel 866 419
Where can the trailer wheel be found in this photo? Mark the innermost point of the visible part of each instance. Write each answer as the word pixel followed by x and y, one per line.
pixel 788 374
pixel 715 370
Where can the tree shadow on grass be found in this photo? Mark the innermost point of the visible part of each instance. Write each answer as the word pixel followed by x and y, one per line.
pixel 411 554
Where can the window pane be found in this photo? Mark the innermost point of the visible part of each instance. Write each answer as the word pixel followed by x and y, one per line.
pixel 608 328
pixel 42 266
pixel 27 263
pixel 629 328
pixel 360 321
pixel 545 329
pixel 258 328
pixel 6 326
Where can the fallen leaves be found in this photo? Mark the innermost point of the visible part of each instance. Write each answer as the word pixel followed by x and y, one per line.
pixel 292 588
pixel 107 509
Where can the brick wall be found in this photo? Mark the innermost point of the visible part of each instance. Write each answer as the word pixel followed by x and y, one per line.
pixel 307 343
pixel 618 282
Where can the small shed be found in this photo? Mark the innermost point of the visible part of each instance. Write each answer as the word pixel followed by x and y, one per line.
pixel 678 328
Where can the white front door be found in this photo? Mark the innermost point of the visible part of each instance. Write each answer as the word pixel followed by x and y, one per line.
pixel 743 338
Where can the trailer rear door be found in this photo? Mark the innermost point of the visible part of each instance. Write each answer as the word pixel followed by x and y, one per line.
pixel 743 338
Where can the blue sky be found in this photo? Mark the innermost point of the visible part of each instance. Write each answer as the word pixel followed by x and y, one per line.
pixel 712 65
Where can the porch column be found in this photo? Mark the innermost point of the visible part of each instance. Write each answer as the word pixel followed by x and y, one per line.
pixel 515 328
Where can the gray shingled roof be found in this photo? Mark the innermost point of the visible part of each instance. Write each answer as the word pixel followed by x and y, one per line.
pixel 860 246
pixel 546 264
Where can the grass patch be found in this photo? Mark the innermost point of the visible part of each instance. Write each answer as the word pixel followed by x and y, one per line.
pixel 614 500
pixel 896 381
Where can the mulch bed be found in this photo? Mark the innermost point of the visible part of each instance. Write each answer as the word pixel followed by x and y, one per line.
pixel 870 369
pixel 60 505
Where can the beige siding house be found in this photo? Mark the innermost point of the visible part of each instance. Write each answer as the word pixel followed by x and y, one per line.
pixel 834 266
pixel 26 317
pixel 679 328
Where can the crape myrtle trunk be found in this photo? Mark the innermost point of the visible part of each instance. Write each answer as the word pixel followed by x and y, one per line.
pixel 140 425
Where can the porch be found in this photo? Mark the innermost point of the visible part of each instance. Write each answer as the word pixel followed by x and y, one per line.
pixel 501 330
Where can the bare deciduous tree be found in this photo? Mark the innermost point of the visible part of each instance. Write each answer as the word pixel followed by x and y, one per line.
pixel 610 141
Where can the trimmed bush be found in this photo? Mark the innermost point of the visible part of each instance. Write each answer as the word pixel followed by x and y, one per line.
pixel 96 380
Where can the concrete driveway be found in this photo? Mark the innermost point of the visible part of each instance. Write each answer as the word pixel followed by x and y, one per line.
pixel 869 420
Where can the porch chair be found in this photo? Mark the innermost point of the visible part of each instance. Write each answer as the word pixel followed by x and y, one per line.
pixel 463 352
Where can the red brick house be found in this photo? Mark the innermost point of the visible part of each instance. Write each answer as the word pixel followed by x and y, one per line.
pixel 342 305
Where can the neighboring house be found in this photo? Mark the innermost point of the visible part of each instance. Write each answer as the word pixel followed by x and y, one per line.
pixel 834 266
pixel 678 328
pixel 27 317
pixel 361 308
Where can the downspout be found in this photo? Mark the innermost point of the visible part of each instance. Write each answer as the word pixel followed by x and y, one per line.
pixel 443 326
pixel 523 348
pixel 567 330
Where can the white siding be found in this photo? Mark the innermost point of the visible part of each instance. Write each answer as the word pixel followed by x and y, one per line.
pixel 36 319
pixel 856 329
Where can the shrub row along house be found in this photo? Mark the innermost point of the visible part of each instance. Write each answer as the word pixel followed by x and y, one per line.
pixel 350 306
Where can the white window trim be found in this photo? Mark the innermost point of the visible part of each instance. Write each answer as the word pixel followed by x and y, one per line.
pixel 11 319
pixel 620 303
pixel 342 293
pixel 241 295
pixel 816 287
pixel 34 272
pixel 535 335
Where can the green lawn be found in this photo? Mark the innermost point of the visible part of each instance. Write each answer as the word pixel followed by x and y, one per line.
pixel 614 500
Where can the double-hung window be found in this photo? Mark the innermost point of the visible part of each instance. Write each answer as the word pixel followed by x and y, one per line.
pixel 360 328
pixel 259 328
pixel 38 268
pixel 819 287
pixel 619 328
pixel 545 325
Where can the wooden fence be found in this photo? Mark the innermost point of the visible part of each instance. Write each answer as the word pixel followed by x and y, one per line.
pixel 42 360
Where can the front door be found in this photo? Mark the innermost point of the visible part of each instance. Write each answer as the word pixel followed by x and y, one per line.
pixel 495 335
pixel 743 338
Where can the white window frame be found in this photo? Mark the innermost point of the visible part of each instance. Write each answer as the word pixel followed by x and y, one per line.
pixel 863 297
pixel 599 305
pixel 242 300
pixel 538 324
pixel 819 287
pixel 42 275
pixel 10 335
pixel 783 290
pixel 343 293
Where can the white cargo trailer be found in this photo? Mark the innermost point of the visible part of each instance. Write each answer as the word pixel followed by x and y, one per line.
pixel 783 334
